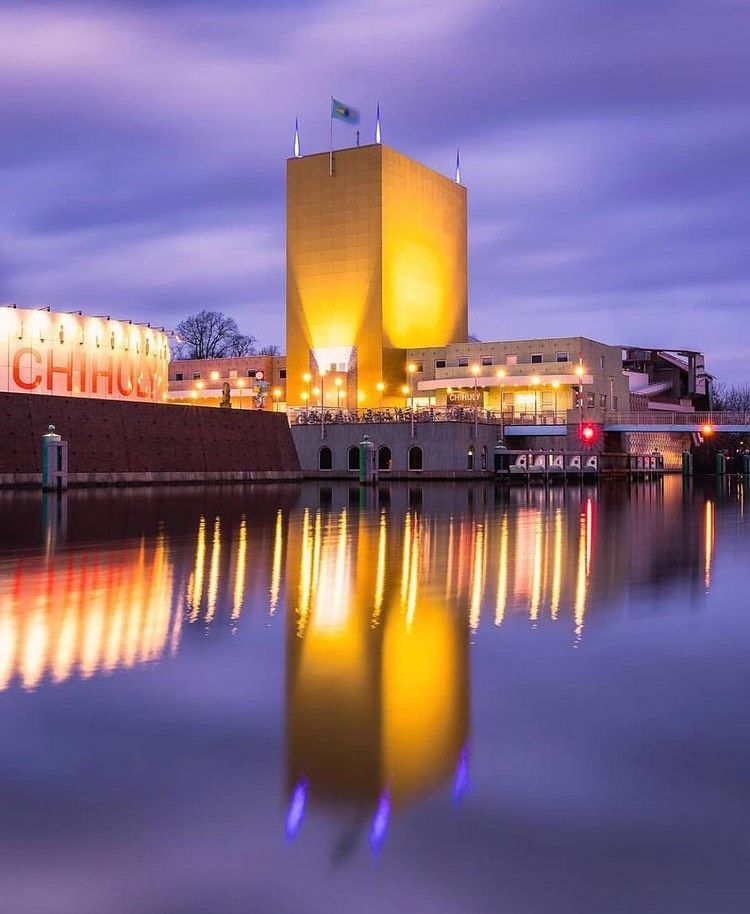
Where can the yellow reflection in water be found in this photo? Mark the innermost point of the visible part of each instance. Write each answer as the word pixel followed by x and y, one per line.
pixel 709 535
pixel 502 573
pixel 195 585
pixel 240 569
pixel 213 573
pixel 380 575
pixel 278 551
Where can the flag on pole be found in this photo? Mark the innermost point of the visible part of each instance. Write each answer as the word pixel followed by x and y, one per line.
pixel 377 125
pixel 296 138
pixel 343 112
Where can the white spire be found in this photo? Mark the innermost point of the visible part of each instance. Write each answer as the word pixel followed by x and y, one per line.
pixel 458 167
pixel 377 125
pixel 296 138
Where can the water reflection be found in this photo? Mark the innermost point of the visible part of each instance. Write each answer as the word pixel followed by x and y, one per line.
pixel 84 612
pixel 353 580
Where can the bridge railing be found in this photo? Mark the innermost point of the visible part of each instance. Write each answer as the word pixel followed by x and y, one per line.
pixel 664 417
pixel 312 416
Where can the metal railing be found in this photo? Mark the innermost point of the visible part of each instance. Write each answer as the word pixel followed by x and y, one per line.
pixel 673 417
pixel 313 416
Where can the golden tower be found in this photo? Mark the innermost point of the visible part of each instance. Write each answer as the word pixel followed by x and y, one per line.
pixel 376 263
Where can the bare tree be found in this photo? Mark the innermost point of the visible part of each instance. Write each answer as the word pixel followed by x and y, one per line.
pixel 242 344
pixel 211 335
pixel 271 349
pixel 734 398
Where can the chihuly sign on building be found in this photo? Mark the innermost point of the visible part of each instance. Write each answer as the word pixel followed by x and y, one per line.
pixel 72 355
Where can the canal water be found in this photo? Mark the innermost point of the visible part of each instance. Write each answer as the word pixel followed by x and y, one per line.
pixel 426 698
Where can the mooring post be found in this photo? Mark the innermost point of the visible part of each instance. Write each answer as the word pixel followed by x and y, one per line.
pixel 54 462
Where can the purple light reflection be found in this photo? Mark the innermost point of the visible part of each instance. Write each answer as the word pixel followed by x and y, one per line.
pixel 379 827
pixel 296 812
pixel 461 776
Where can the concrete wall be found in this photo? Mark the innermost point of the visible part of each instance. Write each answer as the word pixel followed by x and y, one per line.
pixel 117 442
pixel 444 445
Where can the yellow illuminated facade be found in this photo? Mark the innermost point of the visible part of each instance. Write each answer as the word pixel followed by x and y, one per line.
pixel 376 262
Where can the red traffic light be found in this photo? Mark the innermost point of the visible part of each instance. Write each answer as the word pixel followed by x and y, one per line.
pixel 587 433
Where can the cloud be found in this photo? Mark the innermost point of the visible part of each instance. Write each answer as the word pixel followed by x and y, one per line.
pixel 604 148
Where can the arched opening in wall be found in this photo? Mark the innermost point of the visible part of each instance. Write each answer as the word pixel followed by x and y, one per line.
pixel 325 459
pixel 415 457
pixel 384 459
pixel 484 457
pixel 470 458
pixel 353 455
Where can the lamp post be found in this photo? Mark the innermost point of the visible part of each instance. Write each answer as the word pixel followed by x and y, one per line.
pixel 276 397
pixel 338 382
pixel 475 371
pixel 322 402
pixel 380 388
pixel 535 381
pixel 306 400
pixel 406 390
pixel 240 384
pixel 307 377
pixel 555 387
pixel 501 374
pixel 579 373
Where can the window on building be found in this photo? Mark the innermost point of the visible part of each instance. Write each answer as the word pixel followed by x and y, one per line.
pixel 602 362
pixel 439 363
pixel 536 358
pixel 484 457
pixel 562 357
pixel 325 459
pixel 603 401
pixel 614 403
pixel 470 458
pixel 463 361
pixel 179 376
pixel 415 458
pixel 486 360
pixel 282 374
pixel 384 459
pixel 196 376
pixel 418 364
pixel 591 400
pixel 511 360
pixel 251 372
pixel 354 457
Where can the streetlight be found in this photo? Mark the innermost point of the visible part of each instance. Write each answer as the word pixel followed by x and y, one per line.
pixel 323 373
pixel 380 387
pixel 406 390
pixel 535 381
pixel 580 373
pixel 555 387
pixel 475 371
pixel 276 396
pixel 500 373
pixel 307 377
pixel 306 400
pixel 240 384
pixel 316 393
pixel 338 382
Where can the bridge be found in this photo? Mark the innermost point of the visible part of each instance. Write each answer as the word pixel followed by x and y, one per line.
pixel 669 421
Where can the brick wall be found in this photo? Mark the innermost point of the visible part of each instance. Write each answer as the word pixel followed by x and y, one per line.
pixel 120 437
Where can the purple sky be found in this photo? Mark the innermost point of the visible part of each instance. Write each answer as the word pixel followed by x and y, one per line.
pixel 606 147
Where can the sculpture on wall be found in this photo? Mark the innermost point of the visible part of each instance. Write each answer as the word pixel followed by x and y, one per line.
pixel 226 397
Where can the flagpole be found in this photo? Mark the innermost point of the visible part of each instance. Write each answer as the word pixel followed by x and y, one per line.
pixel 330 155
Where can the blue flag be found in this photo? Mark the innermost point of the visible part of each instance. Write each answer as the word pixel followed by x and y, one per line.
pixel 343 112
